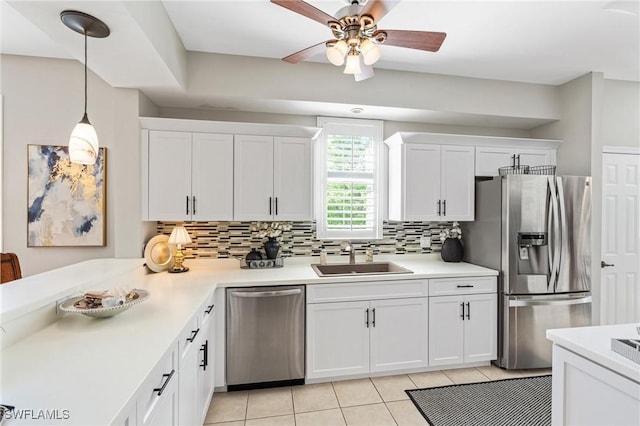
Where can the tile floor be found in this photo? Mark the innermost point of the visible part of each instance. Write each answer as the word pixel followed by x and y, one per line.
pixel 370 402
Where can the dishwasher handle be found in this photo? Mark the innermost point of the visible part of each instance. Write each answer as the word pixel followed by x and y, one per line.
pixel 277 293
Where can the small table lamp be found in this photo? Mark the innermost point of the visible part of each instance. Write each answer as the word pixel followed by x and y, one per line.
pixel 179 236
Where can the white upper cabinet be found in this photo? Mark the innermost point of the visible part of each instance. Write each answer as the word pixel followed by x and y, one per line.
pixel 429 182
pixel 489 158
pixel 190 176
pixel 272 178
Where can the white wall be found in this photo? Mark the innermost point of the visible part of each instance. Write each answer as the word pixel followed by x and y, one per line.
pixel 621 113
pixel 43 100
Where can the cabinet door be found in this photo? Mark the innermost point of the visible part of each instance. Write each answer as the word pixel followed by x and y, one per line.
pixel 446 329
pixel 212 177
pixel 457 182
pixel 253 178
pixel 480 327
pixel 489 159
pixel 337 339
pixel 169 176
pixel 188 410
pixel 398 330
pixel 536 157
pixel 206 369
pixel 292 178
pixel 421 182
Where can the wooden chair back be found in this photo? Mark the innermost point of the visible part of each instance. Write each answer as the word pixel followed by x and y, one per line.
pixel 10 267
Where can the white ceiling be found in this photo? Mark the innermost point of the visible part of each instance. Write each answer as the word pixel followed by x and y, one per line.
pixel 546 42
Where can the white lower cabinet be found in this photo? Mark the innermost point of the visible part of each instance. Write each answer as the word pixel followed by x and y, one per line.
pixel 363 336
pixel 157 402
pixel 197 366
pixel 462 327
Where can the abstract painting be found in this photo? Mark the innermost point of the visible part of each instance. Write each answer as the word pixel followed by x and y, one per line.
pixel 66 201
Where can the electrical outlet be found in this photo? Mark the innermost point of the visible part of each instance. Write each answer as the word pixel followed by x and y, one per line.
pixel 425 242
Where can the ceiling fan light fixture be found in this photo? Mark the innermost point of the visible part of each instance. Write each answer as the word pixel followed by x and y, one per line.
pixel 370 52
pixel 353 63
pixel 336 53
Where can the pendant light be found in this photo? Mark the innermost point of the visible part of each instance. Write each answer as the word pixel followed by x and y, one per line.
pixel 83 143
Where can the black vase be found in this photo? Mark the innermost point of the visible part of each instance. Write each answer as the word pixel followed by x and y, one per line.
pixel 253 255
pixel 271 248
pixel 451 250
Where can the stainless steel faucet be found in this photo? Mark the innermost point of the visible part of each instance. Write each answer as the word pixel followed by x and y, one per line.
pixel 352 253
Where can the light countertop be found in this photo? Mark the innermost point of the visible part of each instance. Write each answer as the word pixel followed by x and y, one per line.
pixel 94 367
pixel 594 343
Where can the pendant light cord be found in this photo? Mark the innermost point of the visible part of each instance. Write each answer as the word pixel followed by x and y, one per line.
pixel 85 72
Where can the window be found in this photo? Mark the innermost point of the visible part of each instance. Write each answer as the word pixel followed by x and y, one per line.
pixel 348 179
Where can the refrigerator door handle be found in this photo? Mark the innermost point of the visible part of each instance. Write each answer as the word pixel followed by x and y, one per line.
pixel 549 302
pixel 554 255
pixel 564 243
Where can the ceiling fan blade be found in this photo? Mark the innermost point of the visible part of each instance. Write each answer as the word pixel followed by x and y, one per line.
pixel 304 54
pixel 421 40
pixel 378 8
pixel 305 9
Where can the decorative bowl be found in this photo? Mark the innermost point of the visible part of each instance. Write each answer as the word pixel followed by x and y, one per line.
pixel 68 306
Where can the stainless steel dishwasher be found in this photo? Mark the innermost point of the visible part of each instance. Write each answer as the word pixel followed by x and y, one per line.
pixel 265 336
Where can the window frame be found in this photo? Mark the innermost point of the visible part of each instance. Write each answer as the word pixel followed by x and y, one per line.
pixel 373 128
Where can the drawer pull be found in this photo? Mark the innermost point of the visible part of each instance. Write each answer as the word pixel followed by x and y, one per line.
pixel 166 382
pixel 194 333
pixel 465 286
pixel 209 309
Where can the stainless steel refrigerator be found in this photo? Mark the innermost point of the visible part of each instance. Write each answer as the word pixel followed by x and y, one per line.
pixel 536 230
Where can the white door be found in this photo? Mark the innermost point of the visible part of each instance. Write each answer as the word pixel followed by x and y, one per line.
pixel 398 329
pixel 166 412
pixel 292 179
pixel 446 329
pixel 187 378
pixel 480 327
pixel 212 177
pixel 169 176
pixel 620 282
pixel 337 339
pixel 457 182
pixel 490 159
pixel 253 178
pixel 421 182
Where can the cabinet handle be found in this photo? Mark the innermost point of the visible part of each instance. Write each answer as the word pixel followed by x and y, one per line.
pixel 194 333
pixel 373 323
pixel 166 382
pixel 439 208
pixel 187 204
pixel 276 206
pixel 366 318
pixel 513 160
pixel 270 212
pixel 468 310
pixel 205 358
pixel 465 286
pixel 518 160
pixel 462 315
pixel 444 208
pixel 194 204
pixel 209 309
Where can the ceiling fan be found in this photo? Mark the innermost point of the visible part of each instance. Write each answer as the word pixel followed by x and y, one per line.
pixel 356 35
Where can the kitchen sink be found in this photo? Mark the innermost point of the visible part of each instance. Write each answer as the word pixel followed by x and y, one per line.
pixel 351 269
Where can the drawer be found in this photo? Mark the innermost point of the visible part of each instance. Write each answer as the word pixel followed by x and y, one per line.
pixel 163 376
pixel 206 310
pixel 344 292
pixel 465 285
pixel 188 335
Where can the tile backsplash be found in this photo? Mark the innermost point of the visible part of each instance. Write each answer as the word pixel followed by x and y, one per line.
pixel 235 239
